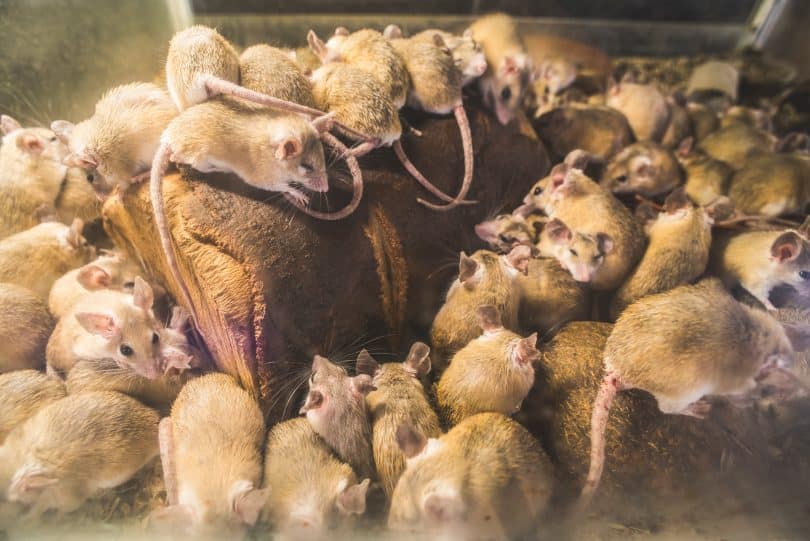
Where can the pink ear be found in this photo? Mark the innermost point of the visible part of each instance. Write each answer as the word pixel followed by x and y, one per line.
pixel 676 200
pixel 316 44
pixel 467 267
pixel 410 441
pixel 558 232
pixel 341 31
pixel 361 384
pixel 442 509
pixel 558 175
pixel 352 500
pixel 62 129
pixel 31 144
pixel 489 318
pixel 314 401
pixel 247 504
pixel 30 483
pixel 526 350
pixel 93 277
pixel 100 324
pixel 289 148
pixel 418 362
pixel 143 297
pixel 8 124
pixel 685 147
pixel 509 66
pixel 786 247
pixel 392 31
pixel 519 258
pixel 366 364
pixel 604 243
pixel 82 161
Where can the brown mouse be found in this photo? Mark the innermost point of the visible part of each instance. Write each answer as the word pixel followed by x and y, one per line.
pixel 109 324
pixel 680 125
pixel 711 345
pixel 468 54
pixel 77 198
pixel 487 478
pixel 37 257
pixel 311 492
pixel 483 278
pixel 399 398
pixel 493 372
pixel 702 119
pixel 25 326
pixel 505 231
pixel 551 77
pixel 644 105
pixel 772 184
pixel 733 143
pixel 759 261
pixel 706 178
pixel 271 71
pixel 509 67
pixel 676 254
pixel 601 131
pixel 335 406
pixel 647 169
pixel 550 296
pixel 116 145
pixel 23 393
pixel 109 271
pixel 72 448
pixel 211 450
pixel 581 254
pixel 584 206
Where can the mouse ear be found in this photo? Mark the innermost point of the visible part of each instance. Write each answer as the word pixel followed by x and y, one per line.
pixel 677 200
pixel 444 507
pixel 489 318
pixel 341 31
pixel 558 176
pixel 362 384
pixel 438 41
pixel 558 232
pixel 288 148
pixel 317 45
pixel 786 247
pixel 604 243
pixel 524 210
pixel 352 499
pixel 509 66
pixel 646 212
pixel 179 319
pixel 418 362
pixel 580 159
pixel 93 277
pixel 143 296
pixel 804 229
pixel 74 234
pixel 526 350
pixel 685 147
pixel 247 502
pixel 467 267
pixel 798 334
pixel 721 208
pixel 314 401
pixel 30 484
pixel 392 31
pixel 411 442
pixel 8 124
pixel 82 161
pixel 63 129
pixel 99 324
pixel 30 144
pixel 366 364
pixel 519 258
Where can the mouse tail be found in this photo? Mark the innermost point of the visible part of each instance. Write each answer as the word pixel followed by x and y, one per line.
pixel 420 178
pixel 166 444
pixel 467 146
pixel 357 184
pixel 599 418
pixel 216 86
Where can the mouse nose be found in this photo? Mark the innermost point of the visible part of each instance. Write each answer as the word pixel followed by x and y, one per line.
pixel 320 184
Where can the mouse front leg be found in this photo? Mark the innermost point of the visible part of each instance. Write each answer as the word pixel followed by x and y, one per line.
pixel 699 409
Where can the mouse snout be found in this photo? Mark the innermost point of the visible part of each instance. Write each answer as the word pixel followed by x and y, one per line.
pixel 319 184
pixel 581 273
pixel 478 67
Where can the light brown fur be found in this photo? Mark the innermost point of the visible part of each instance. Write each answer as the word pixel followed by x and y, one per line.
pixel 549 296
pixel 23 393
pixel 601 131
pixel 468 54
pixel 733 143
pixel 77 198
pixel 702 119
pixel 435 82
pixel 645 107
pixel 645 168
pixel 772 184
pixel 706 178
pixel 271 71
pixel 25 326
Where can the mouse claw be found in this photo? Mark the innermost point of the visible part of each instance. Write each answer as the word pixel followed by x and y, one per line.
pixel 299 197
pixel 699 409
pixel 178 363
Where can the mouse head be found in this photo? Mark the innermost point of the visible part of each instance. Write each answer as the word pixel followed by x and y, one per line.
pixel 637 169
pixel 505 231
pixel 554 75
pixel 130 332
pixel 332 391
pixel 417 364
pixel 468 56
pixel 329 51
pixel 32 143
pixel 581 254
pixel 393 31
pixel 112 271
pixel 82 155
pixel 790 260
pixel 504 91
pixel 296 156
pixel 563 181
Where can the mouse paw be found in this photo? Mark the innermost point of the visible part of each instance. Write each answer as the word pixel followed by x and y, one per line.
pixel 176 363
pixel 699 409
pixel 137 179
pixel 298 196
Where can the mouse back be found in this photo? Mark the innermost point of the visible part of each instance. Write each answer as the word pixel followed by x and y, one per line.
pixel 271 71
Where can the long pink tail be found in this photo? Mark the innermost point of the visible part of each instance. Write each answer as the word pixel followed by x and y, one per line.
pixel 357 184
pixel 166 444
pixel 599 418
pixel 466 142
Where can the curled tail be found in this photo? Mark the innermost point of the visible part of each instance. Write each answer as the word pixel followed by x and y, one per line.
pixel 599 418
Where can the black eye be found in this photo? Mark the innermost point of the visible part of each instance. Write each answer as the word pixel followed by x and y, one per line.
pixel 506 94
pixel 129 285
pixel 538 190
pixel 90 177
pixel 125 350
pixel 573 252
pixel 804 275
pixel 52 139
pixel 504 238
pixel 308 168
pixel 621 178
pixel 598 258
pixel 155 338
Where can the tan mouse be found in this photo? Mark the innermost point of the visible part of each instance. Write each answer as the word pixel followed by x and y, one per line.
pixel 116 145
pixel 493 372
pixel 211 450
pixel 505 231
pixel 644 105
pixel 468 54
pixel 772 184
pixel 109 324
pixel 25 326
pixel 336 408
pixel 711 345
pixel 581 254
pixel 483 278
pixel 485 479
pixel 647 169
pixel 677 252
pixel 37 257
pixel 72 448
pixel 702 119
pixel 601 131
pixel 399 398
pixel 312 494
pixel 23 393
pixel 706 178
pixel 509 67
pixel 733 143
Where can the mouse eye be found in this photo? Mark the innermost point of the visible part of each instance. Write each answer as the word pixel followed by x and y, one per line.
pixel 621 179
pixel 128 285
pixel 598 258
pixel 538 190
pixel 506 94
pixel 91 176
pixel 804 275
pixel 52 139
pixel 312 378
pixel 155 338
pixel 573 252
pixel 125 350
pixel 504 238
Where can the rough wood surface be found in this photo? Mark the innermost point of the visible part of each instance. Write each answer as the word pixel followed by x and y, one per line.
pixel 271 286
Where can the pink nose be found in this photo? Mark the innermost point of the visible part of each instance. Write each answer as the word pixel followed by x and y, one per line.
pixel 480 67
pixel 319 184
pixel 483 231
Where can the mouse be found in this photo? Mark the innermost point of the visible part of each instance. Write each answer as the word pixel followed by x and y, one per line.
pixel 483 278
pixel 551 77
pixel 468 54
pixel 735 142
pixel 760 118
pixel 706 178
pixel 271 71
pixel 509 67
pixel 211 452
pixel 37 257
pixel 677 252
pixel 311 492
pixel 116 144
pixel 645 168
pixel 584 206
pixel 176 352
pixel 772 184
pixel 335 406
pixel 760 261
pixel 712 345
pixel 702 120
pixel 550 297
pixel 22 394
pixel 109 324
pixel 581 254
pixel 644 105
pixel 31 175
pixel 25 326
pixel 505 231
pixel 601 131
pixel 492 373
pixel 74 447
pixel 487 478
pixel 112 270
pixel 399 397
pixel 680 125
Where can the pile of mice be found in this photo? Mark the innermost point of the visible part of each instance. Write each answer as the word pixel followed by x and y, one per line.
pixel 579 298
